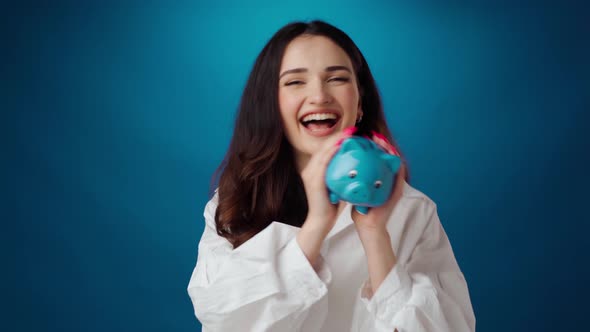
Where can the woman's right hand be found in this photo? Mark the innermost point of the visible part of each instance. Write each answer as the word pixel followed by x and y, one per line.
pixel 320 209
pixel 322 214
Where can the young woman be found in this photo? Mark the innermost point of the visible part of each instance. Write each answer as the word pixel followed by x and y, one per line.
pixel 275 254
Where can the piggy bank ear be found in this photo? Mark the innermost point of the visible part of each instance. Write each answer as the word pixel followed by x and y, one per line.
pixel 349 145
pixel 393 162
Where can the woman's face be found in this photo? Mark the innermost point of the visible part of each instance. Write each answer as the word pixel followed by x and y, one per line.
pixel 318 93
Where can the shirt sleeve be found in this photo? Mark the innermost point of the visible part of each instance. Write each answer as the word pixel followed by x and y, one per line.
pixel 266 284
pixel 426 293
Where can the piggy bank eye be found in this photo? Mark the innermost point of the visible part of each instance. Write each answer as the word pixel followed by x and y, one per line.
pixel 378 184
pixel 352 174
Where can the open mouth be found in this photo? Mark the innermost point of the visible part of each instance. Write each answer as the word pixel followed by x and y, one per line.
pixel 318 122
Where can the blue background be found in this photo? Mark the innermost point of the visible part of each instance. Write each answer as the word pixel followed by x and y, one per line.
pixel 118 114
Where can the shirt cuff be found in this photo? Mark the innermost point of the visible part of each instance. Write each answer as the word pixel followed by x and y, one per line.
pixel 391 296
pixel 314 281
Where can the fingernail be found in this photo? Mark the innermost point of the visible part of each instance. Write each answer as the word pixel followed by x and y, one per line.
pixel 349 131
pixel 378 135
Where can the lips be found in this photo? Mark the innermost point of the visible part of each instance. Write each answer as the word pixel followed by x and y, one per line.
pixel 320 122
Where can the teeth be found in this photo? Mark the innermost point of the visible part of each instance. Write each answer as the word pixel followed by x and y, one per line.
pixel 319 116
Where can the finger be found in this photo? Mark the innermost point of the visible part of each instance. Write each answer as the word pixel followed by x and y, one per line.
pixel 322 159
pixel 319 162
pixel 329 147
pixel 347 132
pixel 337 139
pixel 384 143
pixel 329 154
pixel 324 155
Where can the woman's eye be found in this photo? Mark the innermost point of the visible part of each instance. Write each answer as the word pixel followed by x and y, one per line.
pixel 339 79
pixel 293 83
pixel 378 184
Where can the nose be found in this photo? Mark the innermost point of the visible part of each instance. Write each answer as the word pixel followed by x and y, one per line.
pixel 319 94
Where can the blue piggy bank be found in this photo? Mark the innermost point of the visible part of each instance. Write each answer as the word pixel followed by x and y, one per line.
pixel 361 173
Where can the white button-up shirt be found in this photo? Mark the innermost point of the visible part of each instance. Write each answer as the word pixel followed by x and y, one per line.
pixel 267 283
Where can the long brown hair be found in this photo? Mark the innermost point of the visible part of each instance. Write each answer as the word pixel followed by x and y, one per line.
pixel 257 181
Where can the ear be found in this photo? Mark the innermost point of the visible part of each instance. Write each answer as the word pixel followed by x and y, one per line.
pixel 393 162
pixel 350 144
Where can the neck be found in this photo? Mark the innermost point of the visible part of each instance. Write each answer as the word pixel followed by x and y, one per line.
pixel 301 160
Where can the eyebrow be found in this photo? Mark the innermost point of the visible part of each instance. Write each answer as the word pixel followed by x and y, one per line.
pixel 303 70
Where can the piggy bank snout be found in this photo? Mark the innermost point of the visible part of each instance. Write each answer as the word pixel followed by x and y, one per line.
pixel 358 190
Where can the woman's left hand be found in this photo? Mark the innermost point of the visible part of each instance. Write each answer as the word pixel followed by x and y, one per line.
pixel 376 240
pixel 376 219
